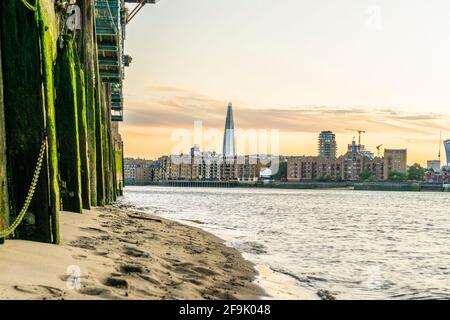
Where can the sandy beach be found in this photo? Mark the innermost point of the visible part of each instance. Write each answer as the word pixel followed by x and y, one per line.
pixel 111 253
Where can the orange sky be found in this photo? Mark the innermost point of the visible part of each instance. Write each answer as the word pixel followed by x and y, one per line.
pixel 165 110
pixel 297 66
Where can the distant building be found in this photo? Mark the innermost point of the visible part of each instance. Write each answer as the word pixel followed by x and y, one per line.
pixel 356 164
pixel 138 171
pixel 229 147
pixel 195 150
pixel 348 167
pixel 327 145
pixel 434 165
pixel 209 166
pixel 247 168
pixel 438 177
pixel 368 154
pixel 447 152
pixel 354 147
pixel 395 160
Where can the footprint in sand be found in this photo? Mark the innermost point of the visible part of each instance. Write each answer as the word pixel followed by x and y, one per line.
pixel 79 257
pixel 92 229
pixel 133 252
pixel 128 268
pixel 149 279
pixel 94 291
pixel 116 283
pixel 204 271
pixel 40 290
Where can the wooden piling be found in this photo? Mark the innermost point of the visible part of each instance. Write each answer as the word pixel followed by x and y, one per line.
pixel 88 57
pixel 106 142
pixel 48 43
pixel 67 127
pixel 99 133
pixel 83 138
pixel 25 114
pixel 4 209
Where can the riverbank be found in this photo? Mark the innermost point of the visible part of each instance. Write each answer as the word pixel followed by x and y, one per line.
pixel 124 254
pixel 411 186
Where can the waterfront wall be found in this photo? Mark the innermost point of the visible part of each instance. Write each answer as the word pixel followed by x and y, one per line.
pixel 365 186
pixel 387 186
pixel 49 80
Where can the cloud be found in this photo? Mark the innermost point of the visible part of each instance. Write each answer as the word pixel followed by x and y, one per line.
pixel 177 107
pixel 164 108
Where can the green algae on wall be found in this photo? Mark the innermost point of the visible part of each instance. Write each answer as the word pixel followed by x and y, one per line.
pixel 107 144
pixel 73 107
pixel 26 116
pixel 119 171
pixel 67 127
pixel 88 56
pixel 92 148
pixel 101 201
pixel 82 130
pixel 4 209
pixel 48 41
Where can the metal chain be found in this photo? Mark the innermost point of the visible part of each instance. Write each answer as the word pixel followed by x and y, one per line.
pixel 34 181
pixel 29 6
pixel 37 171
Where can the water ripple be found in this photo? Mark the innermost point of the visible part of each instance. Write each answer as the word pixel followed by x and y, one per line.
pixel 365 245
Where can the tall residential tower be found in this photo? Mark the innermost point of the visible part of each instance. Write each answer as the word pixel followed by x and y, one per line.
pixel 447 151
pixel 327 145
pixel 229 147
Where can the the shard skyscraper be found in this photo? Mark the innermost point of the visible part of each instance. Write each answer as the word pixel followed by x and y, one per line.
pixel 229 147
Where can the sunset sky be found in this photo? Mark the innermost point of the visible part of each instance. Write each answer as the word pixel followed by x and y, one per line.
pixel 291 65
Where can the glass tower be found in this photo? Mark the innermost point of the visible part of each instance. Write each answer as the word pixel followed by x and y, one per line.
pixel 447 151
pixel 229 147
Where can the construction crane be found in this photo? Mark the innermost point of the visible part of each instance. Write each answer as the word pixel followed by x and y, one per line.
pixel 440 141
pixel 140 5
pixel 359 134
pixel 378 149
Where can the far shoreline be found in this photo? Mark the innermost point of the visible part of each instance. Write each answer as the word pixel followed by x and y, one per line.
pixel 404 186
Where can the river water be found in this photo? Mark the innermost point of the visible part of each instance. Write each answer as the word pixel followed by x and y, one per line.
pixel 355 244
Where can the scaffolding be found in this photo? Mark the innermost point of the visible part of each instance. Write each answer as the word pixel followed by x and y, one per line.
pixel 116 102
pixel 110 21
pixel 109 33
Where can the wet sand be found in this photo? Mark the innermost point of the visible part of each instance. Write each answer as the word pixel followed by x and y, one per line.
pixel 111 253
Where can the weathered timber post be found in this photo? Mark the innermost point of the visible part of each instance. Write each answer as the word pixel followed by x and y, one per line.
pixel 67 127
pixel 106 119
pixel 48 42
pixel 99 137
pixel 88 57
pixel 4 209
pixel 83 137
pixel 25 113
